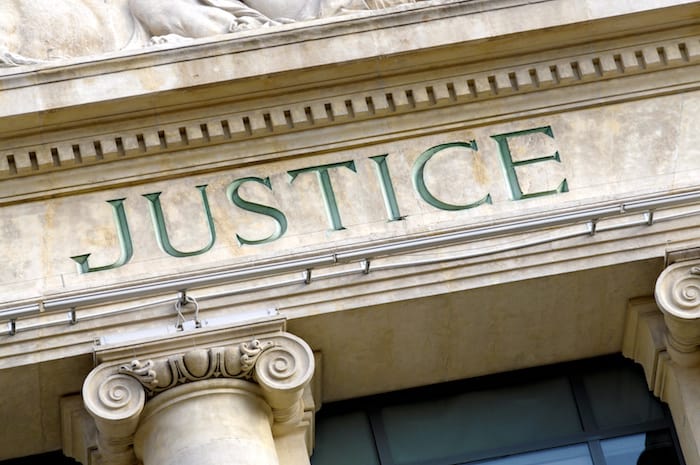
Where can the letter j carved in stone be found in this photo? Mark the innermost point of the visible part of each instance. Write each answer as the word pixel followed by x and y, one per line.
pixel 125 244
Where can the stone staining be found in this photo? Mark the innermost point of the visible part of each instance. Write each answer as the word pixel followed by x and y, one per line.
pixel 36 31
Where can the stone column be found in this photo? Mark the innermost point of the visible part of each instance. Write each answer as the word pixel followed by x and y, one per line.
pixel 667 345
pixel 210 422
pixel 240 403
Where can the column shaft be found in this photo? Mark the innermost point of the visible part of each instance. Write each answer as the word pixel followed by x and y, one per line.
pixel 210 422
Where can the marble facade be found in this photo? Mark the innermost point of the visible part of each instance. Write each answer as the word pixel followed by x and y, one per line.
pixel 320 209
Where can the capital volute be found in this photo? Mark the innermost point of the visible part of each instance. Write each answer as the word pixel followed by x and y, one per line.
pixel 115 401
pixel 678 296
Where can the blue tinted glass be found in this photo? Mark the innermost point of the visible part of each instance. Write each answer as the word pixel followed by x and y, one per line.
pixel 571 455
pixel 652 448
pixel 624 450
pixel 473 422
pixel 344 440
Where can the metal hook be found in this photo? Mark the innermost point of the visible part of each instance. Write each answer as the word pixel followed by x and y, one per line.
pixel 182 297
pixel 592 226
pixel 183 301
pixel 307 276
pixel 649 217
pixel 365 266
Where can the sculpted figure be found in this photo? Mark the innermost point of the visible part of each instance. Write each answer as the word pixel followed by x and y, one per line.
pixel 168 20
pixel 339 7
pixel 172 19
pixel 34 31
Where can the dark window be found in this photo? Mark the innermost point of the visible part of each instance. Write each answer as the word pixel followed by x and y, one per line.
pixel 593 412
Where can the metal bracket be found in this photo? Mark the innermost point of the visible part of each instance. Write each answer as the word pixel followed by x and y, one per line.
pixel 307 276
pixel 649 217
pixel 183 300
pixel 365 266
pixel 593 226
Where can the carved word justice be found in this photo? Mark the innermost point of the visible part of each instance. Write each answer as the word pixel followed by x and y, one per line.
pixel 322 172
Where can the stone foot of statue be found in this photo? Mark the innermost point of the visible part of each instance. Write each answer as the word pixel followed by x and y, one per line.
pixel 169 39
pixel 9 59
pixel 247 23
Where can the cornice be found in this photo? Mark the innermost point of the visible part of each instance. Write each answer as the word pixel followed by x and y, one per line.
pixel 263 121
pixel 89 112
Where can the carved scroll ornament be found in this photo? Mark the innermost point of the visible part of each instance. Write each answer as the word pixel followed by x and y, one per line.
pixel 199 364
pixel 678 297
pixel 678 290
pixel 281 366
pixel 115 402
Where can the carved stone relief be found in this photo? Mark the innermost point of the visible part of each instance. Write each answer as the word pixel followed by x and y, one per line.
pixel 678 290
pixel 196 365
pixel 35 31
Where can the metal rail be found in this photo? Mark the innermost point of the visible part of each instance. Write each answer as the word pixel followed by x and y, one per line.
pixel 591 217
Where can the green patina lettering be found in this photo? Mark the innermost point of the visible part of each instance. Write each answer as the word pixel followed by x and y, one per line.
pixel 278 216
pixel 392 206
pixel 509 165
pixel 162 231
pixel 326 188
pixel 419 177
pixel 125 244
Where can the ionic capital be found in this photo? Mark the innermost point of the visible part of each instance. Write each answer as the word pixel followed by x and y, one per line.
pixel 678 296
pixel 277 364
pixel 115 402
pixel 281 364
